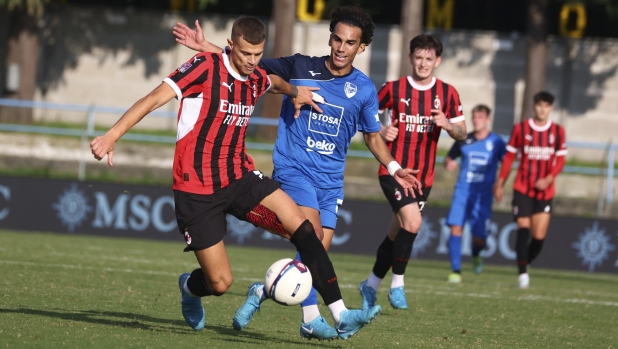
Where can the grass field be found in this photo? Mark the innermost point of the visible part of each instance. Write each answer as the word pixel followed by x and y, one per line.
pixel 74 291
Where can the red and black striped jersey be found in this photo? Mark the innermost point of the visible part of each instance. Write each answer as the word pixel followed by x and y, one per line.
pixel 215 108
pixel 411 104
pixel 541 151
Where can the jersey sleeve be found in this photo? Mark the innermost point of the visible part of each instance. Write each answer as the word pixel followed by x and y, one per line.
pixel 385 96
pixel 282 67
pixel 369 119
pixel 515 142
pixel 500 148
pixel 455 151
pixel 455 110
pixel 186 80
pixel 561 147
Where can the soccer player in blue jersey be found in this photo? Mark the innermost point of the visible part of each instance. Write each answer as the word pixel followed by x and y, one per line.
pixel 480 153
pixel 309 155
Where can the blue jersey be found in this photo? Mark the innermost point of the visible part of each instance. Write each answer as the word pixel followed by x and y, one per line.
pixel 479 162
pixel 316 144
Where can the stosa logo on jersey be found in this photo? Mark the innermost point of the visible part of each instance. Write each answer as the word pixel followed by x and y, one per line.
pixel 236 113
pixel 538 153
pixel 417 123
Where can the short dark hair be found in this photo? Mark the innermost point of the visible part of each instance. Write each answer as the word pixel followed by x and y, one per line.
pixel 544 96
pixel 482 108
pixel 354 16
pixel 426 42
pixel 249 28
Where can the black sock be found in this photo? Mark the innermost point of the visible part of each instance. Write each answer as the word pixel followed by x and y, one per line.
pixel 314 256
pixel 402 248
pixel 196 283
pixel 476 249
pixel 521 247
pixel 534 249
pixel 384 258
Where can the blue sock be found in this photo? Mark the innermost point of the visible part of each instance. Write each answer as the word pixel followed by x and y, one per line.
pixel 454 249
pixel 313 295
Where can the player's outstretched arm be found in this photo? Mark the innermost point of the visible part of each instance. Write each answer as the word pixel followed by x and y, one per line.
pixel 104 144
pixel 300 95
pixel 194 39
pixel 404 176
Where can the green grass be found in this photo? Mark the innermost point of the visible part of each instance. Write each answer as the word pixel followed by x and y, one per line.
pixel 71 291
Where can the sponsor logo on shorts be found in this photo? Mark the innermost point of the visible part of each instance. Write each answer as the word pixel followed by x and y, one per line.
pixel 187 238
pixel 515 210
pixel 547 208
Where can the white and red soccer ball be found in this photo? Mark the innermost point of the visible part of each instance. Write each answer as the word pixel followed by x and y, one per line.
pixel 288 282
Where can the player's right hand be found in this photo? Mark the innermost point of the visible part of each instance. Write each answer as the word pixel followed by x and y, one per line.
pixel 498 192
pixel 305 97
pixel 390 132
pixel 450 164
pixel 406 177
pixel 188 37
pixel 102 145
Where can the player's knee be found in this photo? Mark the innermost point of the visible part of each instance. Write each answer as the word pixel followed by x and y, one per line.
pixel 221 286
pixel 412 226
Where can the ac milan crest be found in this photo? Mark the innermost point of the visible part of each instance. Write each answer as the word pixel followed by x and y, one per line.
pixel 436 103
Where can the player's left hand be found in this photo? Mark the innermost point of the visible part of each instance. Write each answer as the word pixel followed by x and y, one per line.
pixel 193 39
pixel 543 183
pixel 305 96
pixel 440 120
pixel 406 177
pixel 102 145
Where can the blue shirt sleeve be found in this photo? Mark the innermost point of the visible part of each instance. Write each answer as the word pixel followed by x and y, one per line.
pixel 369 119
pixel 282 67
pixel 501 148
pixel 455 151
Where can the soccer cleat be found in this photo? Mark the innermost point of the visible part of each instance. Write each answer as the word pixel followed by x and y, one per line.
pixel 523 281
pixel 351 321
pixel 397 297
pixel 318 329
pixel 454 278
pixel 245 312
pixel 368 294
pixel 192 309
pixel 477 264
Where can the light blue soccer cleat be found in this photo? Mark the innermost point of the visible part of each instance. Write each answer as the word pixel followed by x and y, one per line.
pixel 477 264
pixel 368 294
pixel 318 329
pixel 245 312
pixel 397 297
pixel 192 309
pixel 351 321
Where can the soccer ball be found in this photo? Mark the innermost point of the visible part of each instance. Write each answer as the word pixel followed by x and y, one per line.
pixel 288 282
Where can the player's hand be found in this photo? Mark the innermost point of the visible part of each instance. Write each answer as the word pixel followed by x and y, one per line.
pixel 498 192
pixel 439 118
pixel 305 97
pixel 102 145
pixel 192 39
pixel 450 164
pixel 390 132
pixel 407 179
pixel 543 183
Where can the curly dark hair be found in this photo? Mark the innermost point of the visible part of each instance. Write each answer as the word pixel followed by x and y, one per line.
pixel 354 16
pixel 426 42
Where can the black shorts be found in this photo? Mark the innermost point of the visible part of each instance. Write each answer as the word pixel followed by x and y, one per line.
pixel 396 196
pixel 525 206
pixel 202 218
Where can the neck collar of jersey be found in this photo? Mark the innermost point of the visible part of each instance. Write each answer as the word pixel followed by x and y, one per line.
pixel 538 128
pixel 226 62
pixel 421 87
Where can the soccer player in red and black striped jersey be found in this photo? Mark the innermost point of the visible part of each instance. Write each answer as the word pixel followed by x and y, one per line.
pixel 420 107
pixel 541 146
pixel 213 175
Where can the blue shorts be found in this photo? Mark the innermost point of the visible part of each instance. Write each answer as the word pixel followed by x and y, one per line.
pixel 326 201
pixel 473 208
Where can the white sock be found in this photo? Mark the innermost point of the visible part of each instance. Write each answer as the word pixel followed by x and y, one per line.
pixel 186 289
pixel 336 309
pixel 374 281
pixel 262 293
pixel 310 313
pixel 397 281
